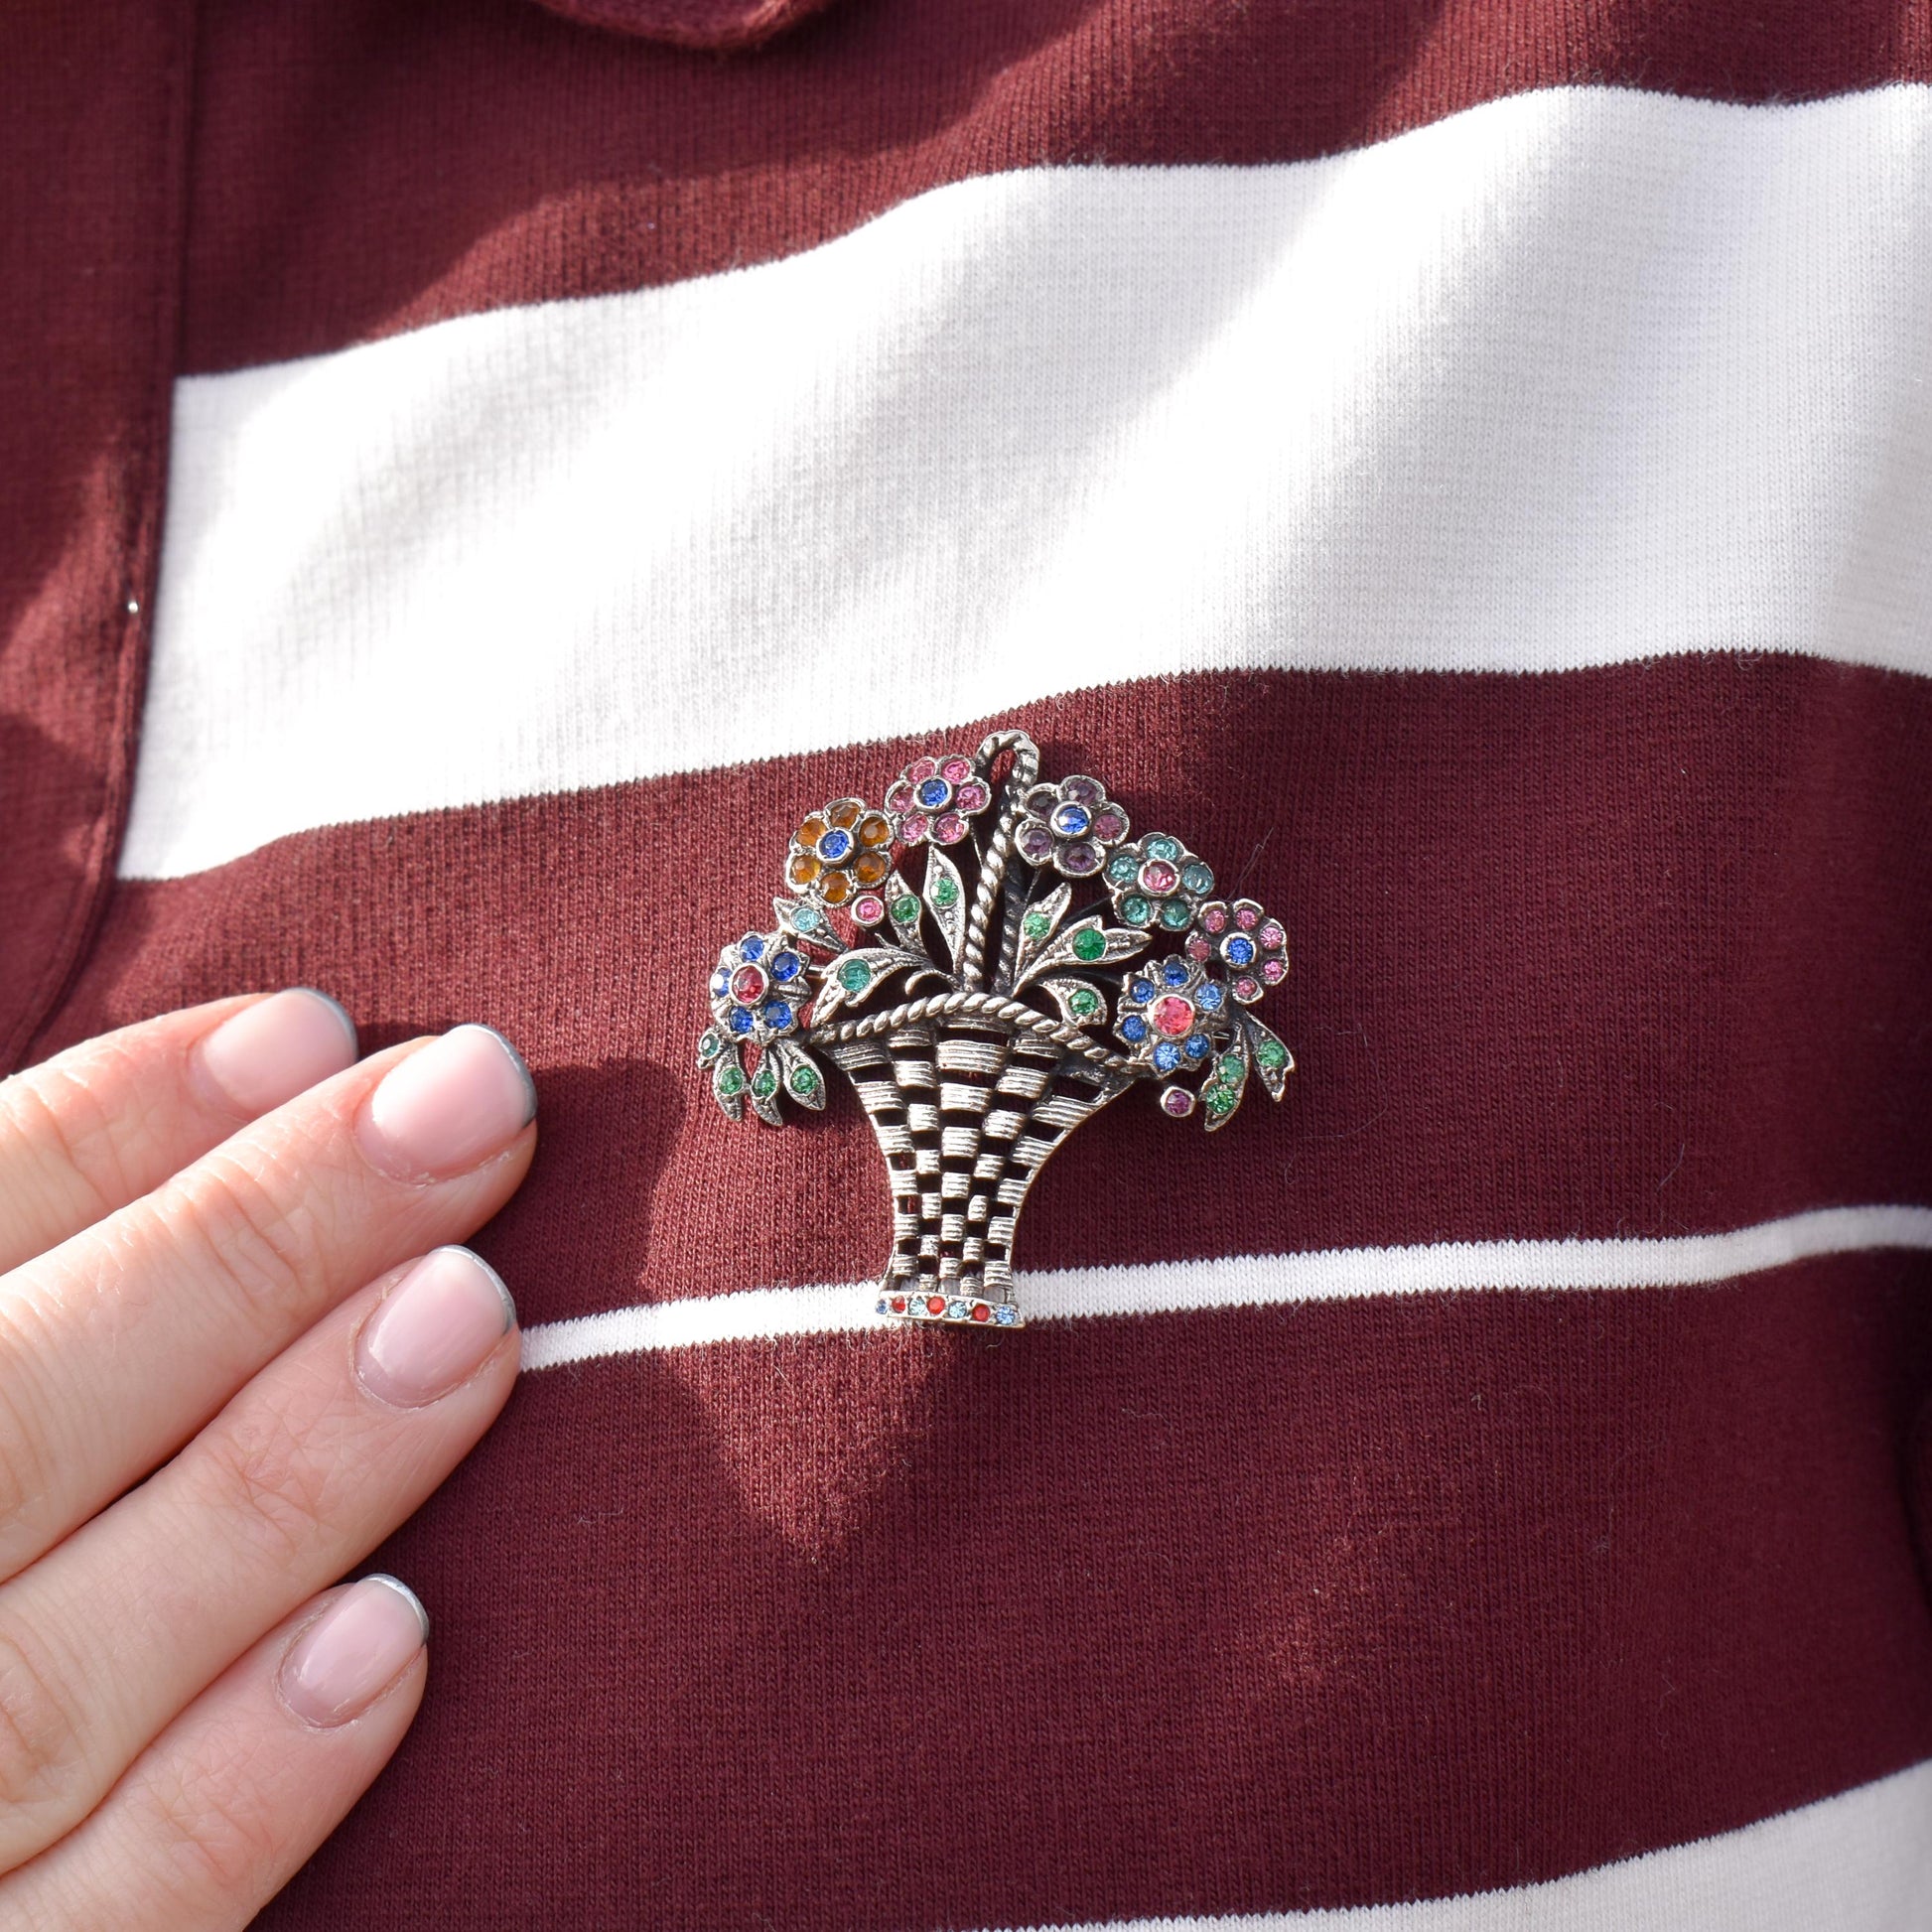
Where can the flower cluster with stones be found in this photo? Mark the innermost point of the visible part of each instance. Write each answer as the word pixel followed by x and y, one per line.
pixel 990 956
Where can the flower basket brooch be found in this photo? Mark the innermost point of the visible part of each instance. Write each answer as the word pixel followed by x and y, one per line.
pixel 1044 961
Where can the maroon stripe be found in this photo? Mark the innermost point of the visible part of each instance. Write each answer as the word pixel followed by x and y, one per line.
pixel 363 167
pixel 1627 951
pixel 1205 1614
pixel 94 175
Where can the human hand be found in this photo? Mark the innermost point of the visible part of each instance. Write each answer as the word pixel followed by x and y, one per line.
pixel 221 1276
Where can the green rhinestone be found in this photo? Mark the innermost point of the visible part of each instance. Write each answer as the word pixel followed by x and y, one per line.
pixel 1159 846
pixel 1123 867
pixel 1217 1100
pixel 764 1082
pixel 1199 879
pixel 854 976
pixel 1083 1002
pixel 1231 1068
pixel 803 1081
pixel 708 1045
pixel 1176 913
pixel 904 910
pixel 729 1079
pixel 1271 1052
pixel 944 891
pixel 1088 945
pixel 1035 925
pixel 1136 911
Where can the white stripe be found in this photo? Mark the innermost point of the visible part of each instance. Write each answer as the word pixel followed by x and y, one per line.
pixel 1859 1861
pixel 1249 1281
pixel 1570 378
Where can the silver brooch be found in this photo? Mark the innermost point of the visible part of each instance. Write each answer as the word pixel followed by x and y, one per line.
pixel 1046 961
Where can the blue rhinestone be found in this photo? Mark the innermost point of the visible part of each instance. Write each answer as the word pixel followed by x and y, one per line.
pixel 881 1305
pixel 1133 1028
pixel 835 846
pixel 805 918
pixel 1197 1045
pixel 1238 949
pixel 1123 867
pixel 741 1020
pixel 1071 821
pixel 1176 913
pixel 721 983
pixel 1005 1316
pixel 1208 998
pixel 1142 990
pixel 957 1310
pixel 778 1016
pixel 1166 1056
pixel 934 794
pixel 784 966
pixel 752 947
pixel 1175 971
pixel 1198 879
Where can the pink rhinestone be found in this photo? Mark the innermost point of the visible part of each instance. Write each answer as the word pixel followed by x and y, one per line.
pixel 1246 915
pixel 921 770
pixel 1158 877
pixel 1172 1015
pixel 899 796
pixel 1197 947
pixel 868 908
pixel 949 828
pixel 912 829
pixel 1272 935
pixel 1273 970
pixel 1214 917
pixel 1178 1102
pixel 956 770
pixel 972 797
pixel 1246 990
pixel 1110 826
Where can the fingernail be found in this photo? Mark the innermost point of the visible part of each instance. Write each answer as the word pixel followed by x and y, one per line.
pixel 444 1110
pixel 276 1048
pixel 344 1661
pixel 432 1330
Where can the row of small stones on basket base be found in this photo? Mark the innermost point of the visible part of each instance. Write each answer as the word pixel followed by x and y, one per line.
pixel 942 1307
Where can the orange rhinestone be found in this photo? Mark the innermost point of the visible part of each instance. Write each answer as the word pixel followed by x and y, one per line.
pixel 845 814
pixel 868 868
pixel 876 829
pixel 812 830
pixel 835 887
pixel 802 868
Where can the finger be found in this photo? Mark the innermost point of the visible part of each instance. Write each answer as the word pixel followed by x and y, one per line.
pixel 115 1347
pixel 227 1805
pixel 320 1457
pixel 100 1124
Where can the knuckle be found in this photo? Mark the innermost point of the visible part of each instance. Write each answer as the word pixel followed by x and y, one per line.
pixel 261 1224
pixel 269 1484
pixel 26 1481
pixel 43 1755
pixel 211 1815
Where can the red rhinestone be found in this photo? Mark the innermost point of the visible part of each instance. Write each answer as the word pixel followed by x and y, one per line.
pixel 1172 1015
pixel 980 1312
pixel 935 1305
pixel 747 985
pixel 898 1304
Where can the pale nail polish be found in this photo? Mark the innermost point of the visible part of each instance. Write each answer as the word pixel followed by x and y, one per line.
pixel 276 1048
pixel 449 1107
pixel 344 1661
pixel 434 1329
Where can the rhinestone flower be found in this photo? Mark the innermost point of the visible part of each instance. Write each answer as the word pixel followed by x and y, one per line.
pixel 934 798
pixel 755 992
pixel 1171 1015
pixel 840 849
pixel 1158 882
pixel 1250 946
pixel 1071 826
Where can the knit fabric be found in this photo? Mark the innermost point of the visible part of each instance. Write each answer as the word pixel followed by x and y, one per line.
pixel 1464 471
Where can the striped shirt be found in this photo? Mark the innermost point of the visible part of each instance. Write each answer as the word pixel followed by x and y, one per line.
pixel 473 477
